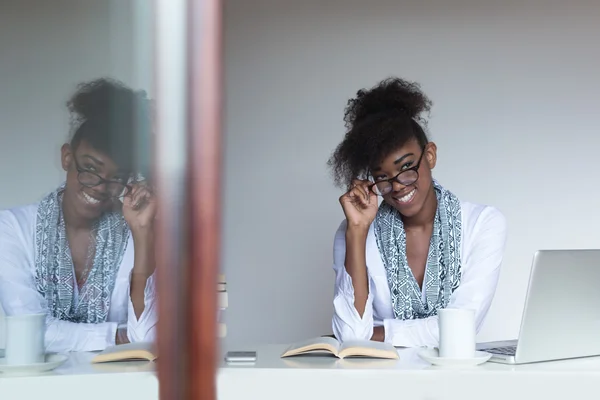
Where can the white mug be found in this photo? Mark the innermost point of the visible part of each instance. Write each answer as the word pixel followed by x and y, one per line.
pixel 25 339
pixel 457 333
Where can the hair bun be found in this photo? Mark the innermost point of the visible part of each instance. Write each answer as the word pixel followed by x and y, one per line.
pixel 103 100
pixel 392 95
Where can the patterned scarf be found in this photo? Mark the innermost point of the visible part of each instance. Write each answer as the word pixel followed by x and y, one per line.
pixel 55 278
pixel 443 270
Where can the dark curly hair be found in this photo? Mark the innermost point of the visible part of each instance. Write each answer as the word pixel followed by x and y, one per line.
pixel 379 121
pixel 109 116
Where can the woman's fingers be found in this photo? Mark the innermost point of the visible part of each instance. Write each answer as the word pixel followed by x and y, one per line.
pixel 133 195
pixel 142 197
pixel 359 196
pixel 139 195
pixel 362 187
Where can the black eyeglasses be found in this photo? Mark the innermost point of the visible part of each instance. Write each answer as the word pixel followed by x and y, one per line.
pixel 90 179
pixel 406 177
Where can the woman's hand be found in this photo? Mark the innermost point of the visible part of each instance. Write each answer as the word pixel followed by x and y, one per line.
pixel 378 334
pixel 121 336
pixel 360 205
pixel 139 208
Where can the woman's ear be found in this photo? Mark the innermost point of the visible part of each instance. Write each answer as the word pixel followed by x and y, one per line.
pixel 431 154
pixel 66 156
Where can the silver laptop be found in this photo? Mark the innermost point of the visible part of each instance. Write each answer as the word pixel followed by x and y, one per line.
pixel 561 318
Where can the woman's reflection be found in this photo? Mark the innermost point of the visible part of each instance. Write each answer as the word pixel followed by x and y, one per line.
pixel 84 254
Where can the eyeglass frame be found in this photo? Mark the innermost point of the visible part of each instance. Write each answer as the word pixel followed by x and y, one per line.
pixel 395 178
pixel 80 170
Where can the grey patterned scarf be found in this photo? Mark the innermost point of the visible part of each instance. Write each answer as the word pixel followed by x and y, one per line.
pixel 443 270
pixel 55 278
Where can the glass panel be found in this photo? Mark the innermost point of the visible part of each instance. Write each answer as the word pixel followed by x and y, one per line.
pixel 96 142
pixel 76 84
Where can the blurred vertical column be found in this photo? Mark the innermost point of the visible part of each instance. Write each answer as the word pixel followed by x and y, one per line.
pixel 204 50
pixel 172 181
pixel 187 172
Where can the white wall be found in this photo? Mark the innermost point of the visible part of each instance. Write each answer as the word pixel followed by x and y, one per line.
pixel 516 92
pixel 47 48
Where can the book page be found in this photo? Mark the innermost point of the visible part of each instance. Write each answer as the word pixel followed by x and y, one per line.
pixel 367 348
pixel 317 345
pixel 129 351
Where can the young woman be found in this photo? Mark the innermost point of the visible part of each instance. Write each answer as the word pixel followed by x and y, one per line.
pixel 397 263
pixel 84 254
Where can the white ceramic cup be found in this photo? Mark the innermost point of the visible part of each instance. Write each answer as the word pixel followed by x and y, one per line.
pixel 25 339
pixel 457 333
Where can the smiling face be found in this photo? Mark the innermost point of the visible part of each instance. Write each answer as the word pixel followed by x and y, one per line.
pixel 85 167
pixel 408 171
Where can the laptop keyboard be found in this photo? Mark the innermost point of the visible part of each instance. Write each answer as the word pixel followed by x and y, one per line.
pixel 505 351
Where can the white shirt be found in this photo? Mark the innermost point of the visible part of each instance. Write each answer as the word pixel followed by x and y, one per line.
pixel 482 248
pixel 18 293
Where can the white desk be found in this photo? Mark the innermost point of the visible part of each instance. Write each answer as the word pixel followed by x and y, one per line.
pixel 312 378
pixel 272 378
pixel 78 379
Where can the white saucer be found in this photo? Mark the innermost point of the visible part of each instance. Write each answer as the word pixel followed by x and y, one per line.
pixel 52 361
pixel 432 356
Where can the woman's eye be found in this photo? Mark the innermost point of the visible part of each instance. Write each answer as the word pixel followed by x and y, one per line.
pixel 407 165
pixel 89 167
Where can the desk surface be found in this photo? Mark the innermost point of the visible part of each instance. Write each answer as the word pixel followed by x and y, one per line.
pixel 269 359
pixel 79 379
pixel 316 377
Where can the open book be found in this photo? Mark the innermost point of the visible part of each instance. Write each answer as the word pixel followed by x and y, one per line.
pixel 329 345
pixel 127 352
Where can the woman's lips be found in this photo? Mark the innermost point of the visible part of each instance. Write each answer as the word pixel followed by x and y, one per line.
pixel 92 201
pixel 405 199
